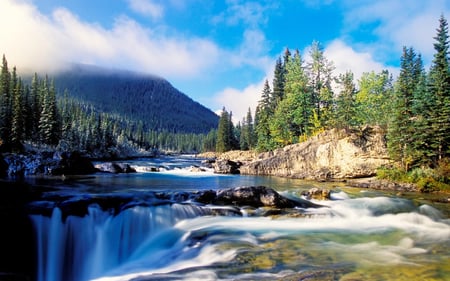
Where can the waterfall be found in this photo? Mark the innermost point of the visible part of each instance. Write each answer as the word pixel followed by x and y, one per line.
pixel 82 248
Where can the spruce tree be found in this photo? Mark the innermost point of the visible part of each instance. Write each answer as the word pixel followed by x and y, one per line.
pixel 18 118
pixel 48 122
pixel 439 87
pixel 223 132
pixel 263 114
pixel 345 103
pixel 5 103
pixel 401 129
pixel 320 77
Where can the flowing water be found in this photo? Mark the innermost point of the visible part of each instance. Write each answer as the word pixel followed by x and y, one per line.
pixel 358 235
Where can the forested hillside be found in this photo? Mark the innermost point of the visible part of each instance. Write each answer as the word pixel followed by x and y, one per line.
pixel 137 97
pixel 111 114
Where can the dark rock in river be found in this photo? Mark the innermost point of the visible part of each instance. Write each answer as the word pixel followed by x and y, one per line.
pixel 72 164
pixel 3 166
pixel 115 168
pixel 226 167
pixel 254 196
pixel 317 193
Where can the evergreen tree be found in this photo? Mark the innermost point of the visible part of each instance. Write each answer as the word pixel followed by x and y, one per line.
pixel 292 116
pixel 374 99
pixel 48 123
pixel 320 77
pixel 278 84
pixel 223 132
pixel 401 128
pixel 439 87
pixel 18 118
pixel 345 103
pixel 263 114
pixel 5 103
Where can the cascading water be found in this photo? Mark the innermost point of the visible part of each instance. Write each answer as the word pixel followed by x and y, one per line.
pixel 82 248
pixel 184 242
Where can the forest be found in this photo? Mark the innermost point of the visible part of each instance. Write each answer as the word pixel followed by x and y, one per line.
pixel 38 115
pixel 306 98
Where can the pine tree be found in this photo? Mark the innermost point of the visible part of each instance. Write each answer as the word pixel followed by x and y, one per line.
pixel 48 122
pixel 263 114
pixel 401 128
pixel 439 87
pixel 292 116
pixel 345 102
pixel 18 118
pixel 320 77
pixel 374 99
pixel 5 103
pixel 223 132
pixel 278 84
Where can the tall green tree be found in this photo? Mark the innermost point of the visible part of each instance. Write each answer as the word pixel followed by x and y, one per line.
pixel 374 99
pixel 320 71
pixel 262 115
pixel 401 128
pixel 223 143
pixel 346 102
pixel 292 116
pixel 48 122
pixel 439 87
pixel 18 116
pixel 5 102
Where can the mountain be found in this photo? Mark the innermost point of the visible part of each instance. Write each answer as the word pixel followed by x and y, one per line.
pixel 136 97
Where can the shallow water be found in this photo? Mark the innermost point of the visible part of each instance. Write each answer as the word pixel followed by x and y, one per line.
pixel 358 235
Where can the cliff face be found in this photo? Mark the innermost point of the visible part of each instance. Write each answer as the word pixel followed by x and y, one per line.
pixel 334 154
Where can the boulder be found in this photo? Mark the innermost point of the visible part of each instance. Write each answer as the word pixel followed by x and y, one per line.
pixel 333 154
pixel 72 163
pixel 253 196
pixel 115 168
pixel 317 193
pixel 226 167
pixel 3 166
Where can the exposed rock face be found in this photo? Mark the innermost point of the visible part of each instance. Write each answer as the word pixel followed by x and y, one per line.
pixel 334 154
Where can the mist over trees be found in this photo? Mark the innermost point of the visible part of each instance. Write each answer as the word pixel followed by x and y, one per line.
pixel 35 113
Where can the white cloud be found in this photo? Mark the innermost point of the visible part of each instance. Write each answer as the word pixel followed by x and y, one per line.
pixel 345 58
pixel 147 8
pixel 45 43
pixel 238 101
pixel 398 24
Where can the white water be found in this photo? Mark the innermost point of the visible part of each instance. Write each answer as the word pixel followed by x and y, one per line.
pixel 162 241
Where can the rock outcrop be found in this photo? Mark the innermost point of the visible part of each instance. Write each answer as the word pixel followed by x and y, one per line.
pixel 333 154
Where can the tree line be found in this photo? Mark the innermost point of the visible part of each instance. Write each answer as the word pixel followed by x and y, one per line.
pixel 305 98
pixel 34 113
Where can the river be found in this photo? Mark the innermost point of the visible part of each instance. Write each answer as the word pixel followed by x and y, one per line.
pixel 358 235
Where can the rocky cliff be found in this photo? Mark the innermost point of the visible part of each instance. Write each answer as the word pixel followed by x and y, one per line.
pixel 334 154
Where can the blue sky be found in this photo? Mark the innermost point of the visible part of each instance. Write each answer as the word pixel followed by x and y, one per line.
pixel 217 52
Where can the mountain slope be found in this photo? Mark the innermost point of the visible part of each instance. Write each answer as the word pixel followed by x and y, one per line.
pixel 138 97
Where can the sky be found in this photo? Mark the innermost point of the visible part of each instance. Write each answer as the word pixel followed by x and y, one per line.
pixel 219 53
